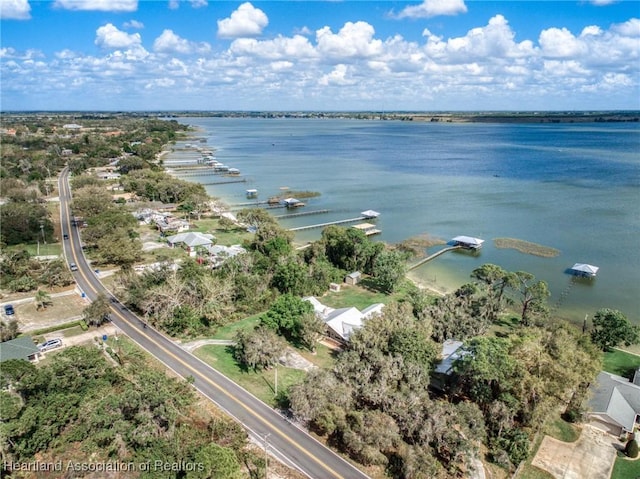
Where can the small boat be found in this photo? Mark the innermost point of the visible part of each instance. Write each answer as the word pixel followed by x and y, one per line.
pixel 234 171
pixel 252 193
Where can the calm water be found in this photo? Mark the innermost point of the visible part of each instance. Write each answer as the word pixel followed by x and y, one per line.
pixel 571 187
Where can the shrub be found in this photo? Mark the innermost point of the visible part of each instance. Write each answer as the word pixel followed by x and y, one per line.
pixel 631 449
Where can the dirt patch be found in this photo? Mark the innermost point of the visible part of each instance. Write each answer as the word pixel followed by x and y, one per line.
pixel 64 308
pixel 590 457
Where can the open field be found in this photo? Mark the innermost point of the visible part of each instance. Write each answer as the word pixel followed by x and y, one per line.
pixel 260 383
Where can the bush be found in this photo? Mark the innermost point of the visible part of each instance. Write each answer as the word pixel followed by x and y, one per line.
pixel 631 449
pixel 83 325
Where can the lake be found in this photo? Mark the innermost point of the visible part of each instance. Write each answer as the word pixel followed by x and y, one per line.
pixel 573 187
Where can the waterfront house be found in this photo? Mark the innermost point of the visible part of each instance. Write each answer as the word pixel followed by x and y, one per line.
pixel 342 323
pixel 614 403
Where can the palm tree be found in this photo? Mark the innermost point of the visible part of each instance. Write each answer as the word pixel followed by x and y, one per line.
pixel 42 299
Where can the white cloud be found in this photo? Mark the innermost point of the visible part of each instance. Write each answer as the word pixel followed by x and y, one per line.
pixel 169 42
pixel 98 5
pixel 337 77
pixel 602 3
pixel 174 4
pixel 15 10
pixel 354 40
pixel 350 68
pixel 135 24
pixel 246 21
pixel 630 28
pixel 489 43
pixel 108 36
pixel 433 8
pixel 198 3
pixel 297 47
pixel 560 43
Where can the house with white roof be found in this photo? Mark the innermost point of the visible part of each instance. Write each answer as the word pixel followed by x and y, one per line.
pixel 191 240
pixel 341 323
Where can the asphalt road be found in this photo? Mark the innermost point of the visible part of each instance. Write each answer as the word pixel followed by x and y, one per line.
pixel 290 444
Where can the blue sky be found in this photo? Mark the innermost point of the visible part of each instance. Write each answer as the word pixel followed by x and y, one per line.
pixel 319 55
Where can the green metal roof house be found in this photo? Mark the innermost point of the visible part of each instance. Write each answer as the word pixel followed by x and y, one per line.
pixel 19 348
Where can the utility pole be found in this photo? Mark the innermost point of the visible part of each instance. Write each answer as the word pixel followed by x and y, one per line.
pixel 266 455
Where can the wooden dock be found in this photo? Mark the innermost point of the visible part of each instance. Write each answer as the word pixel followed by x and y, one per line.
pixel 322 225
pixel 433 256
pixel 241 180
pixel 304 213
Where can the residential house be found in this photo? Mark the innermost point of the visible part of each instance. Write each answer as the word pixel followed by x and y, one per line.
pixel 170 224
pixel 614 403
pixel 342 323
pixel 191 241
pixel 218 254
pixel 452 350
pixel 19 348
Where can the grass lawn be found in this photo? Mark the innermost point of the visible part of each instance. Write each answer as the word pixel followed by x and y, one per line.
pixel 625 469
pixel 324 357
pixel 562 430
pixel 531 472
pixel 353 296
pixel 229 331
pixel 621 363
pixel 261 384
pixel 224 237
pixel 49 249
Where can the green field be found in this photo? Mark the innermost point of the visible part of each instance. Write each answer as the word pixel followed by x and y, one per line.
pixel 261 383
pixel 562 430
pixel 625 469
pixel 621 363
pixel 230 330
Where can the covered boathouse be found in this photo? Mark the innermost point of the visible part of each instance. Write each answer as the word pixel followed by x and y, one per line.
pixel 583 269
pixel 467 242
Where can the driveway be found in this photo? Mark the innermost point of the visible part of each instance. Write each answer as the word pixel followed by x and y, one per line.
pixel 590 457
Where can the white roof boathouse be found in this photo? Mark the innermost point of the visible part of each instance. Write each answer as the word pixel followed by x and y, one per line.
pixel 583 269
pixel 467 242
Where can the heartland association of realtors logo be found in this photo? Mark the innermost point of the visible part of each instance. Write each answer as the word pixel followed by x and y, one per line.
pixel 109 466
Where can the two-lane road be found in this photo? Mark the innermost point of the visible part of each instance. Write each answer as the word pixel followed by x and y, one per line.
pixel 286 441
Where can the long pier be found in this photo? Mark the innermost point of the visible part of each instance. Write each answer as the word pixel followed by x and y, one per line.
pixel 433 256
pixel 304 213
pixel 242 180
pixel 321 225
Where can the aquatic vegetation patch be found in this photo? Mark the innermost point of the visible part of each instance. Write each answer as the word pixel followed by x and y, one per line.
pixel 526 247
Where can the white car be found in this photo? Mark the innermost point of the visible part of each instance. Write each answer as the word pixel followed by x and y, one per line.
pixel 51 344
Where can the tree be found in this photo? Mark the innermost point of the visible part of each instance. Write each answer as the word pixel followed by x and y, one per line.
pixel 218 462
pixel 389 268
pixel 533 296
pixel 612 328
pixel 42 300
pixel 309 330
pixel 631 449
pixel 497 282
pixel 8 330
pixel 98 311
pixel 259 348
pixel 24 222
pixel 285 314
pixel 349 248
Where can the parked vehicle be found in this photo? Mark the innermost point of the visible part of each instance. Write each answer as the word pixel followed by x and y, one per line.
pixel 8 310
pixel 50 344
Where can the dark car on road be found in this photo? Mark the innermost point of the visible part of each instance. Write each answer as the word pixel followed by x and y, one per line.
pixel 65 236
pixel 8 310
